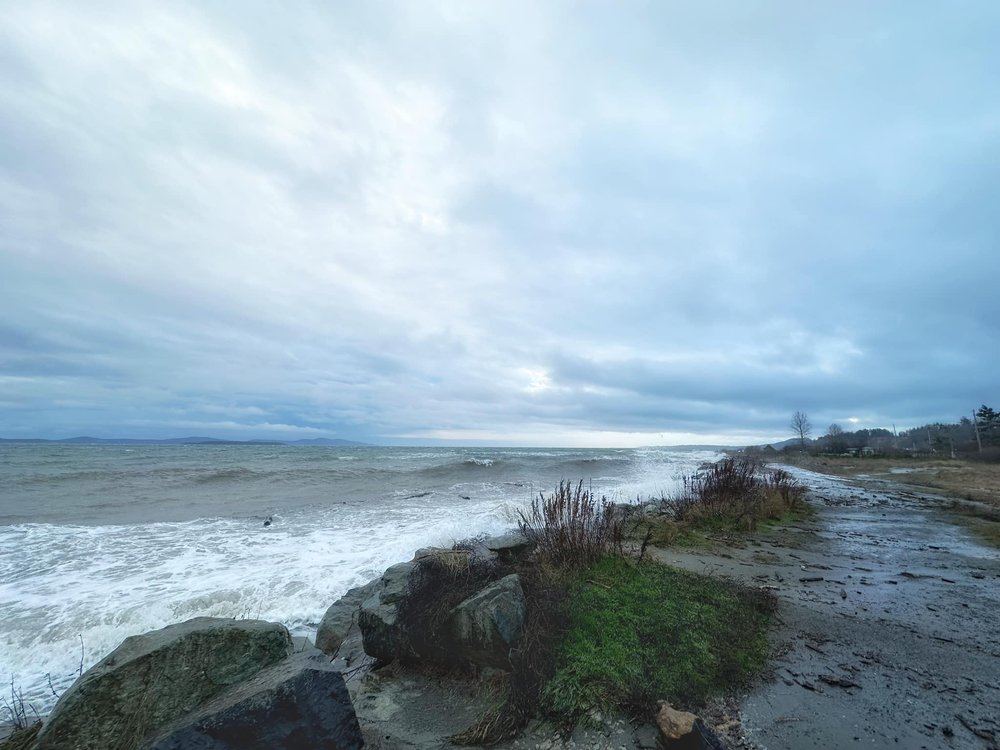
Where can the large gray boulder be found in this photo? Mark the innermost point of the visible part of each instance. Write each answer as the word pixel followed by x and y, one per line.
pixel 381 635
pixel 300 702
pixel 341 615
pixel 153 679
pixel 489 623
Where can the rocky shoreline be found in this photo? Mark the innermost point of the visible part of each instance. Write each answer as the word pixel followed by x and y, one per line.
pixel 228 684
pixel 886 637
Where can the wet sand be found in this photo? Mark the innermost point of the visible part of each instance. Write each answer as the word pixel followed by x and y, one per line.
pixel 888 630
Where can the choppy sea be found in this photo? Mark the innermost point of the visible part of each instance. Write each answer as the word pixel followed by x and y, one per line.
pixel 98 542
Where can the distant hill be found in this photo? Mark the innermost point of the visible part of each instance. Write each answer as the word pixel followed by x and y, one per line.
pixel 86 440
pixel 719 448
pixel 325 441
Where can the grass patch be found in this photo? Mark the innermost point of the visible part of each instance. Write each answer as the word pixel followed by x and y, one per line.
pixel 639 632
pixel 788 518
pixel 983 522
pixel 605 629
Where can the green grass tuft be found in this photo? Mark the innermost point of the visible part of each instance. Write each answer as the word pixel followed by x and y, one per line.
pixel 640 632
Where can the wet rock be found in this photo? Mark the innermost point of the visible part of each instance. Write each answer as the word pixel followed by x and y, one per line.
pixel 301 702
pixel 153 679
pixel 456 560
pixel 381 635
pixel 340 617
pixel 489 623
pixel 508 547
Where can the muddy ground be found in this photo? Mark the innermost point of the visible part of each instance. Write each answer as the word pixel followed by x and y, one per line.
pixel 958 478
pixel 889 623
pixel 887 636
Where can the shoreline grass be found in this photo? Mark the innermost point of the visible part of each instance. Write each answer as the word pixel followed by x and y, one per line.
pixel 732 498
pixel 640 632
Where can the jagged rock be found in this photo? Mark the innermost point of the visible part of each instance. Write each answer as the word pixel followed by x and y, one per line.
pixel 340 616
pixel 458 560
pixel 299 703
pixel 153 679
pixel 381 635
pixel 489 623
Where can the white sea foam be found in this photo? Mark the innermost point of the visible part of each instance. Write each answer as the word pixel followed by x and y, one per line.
pixel 67 588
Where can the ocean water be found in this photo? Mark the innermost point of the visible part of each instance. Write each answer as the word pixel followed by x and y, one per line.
pixel 104 541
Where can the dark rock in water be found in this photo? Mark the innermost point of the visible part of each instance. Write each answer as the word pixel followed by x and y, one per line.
pixel 381 635
pixel 340 617
pixel 154 679
pixel 301 702
pixel 489 623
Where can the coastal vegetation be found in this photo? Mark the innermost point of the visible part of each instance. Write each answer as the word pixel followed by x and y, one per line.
pixel 607 629
pixel 639 632
pixel 603 629
pixel 22 719
pixel 731 497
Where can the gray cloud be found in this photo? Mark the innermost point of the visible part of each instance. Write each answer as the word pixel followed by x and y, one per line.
pixel 513 223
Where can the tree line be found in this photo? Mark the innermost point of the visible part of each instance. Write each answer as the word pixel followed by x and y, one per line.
pixel 975 437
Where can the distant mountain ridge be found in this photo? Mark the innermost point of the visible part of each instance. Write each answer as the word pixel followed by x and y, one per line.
pixel 86 440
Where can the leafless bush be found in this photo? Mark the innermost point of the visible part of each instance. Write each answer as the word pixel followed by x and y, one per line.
pixel 737 490
pixel 784 485
pixel 571 528
pixel 19 713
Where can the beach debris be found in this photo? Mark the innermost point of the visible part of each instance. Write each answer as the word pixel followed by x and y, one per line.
pixel 841 682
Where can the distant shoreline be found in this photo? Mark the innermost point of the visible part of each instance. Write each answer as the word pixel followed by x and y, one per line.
pixel 330 442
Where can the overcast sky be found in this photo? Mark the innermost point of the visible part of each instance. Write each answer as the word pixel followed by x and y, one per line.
pixel 533 223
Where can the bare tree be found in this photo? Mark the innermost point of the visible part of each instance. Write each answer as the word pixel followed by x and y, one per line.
pixel 834 430
pixel 801 426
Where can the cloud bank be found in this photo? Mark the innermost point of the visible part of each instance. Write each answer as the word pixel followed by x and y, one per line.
pixel 513 223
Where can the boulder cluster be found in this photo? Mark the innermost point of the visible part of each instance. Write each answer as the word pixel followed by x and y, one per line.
pixel 211 684
pixel 220 684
